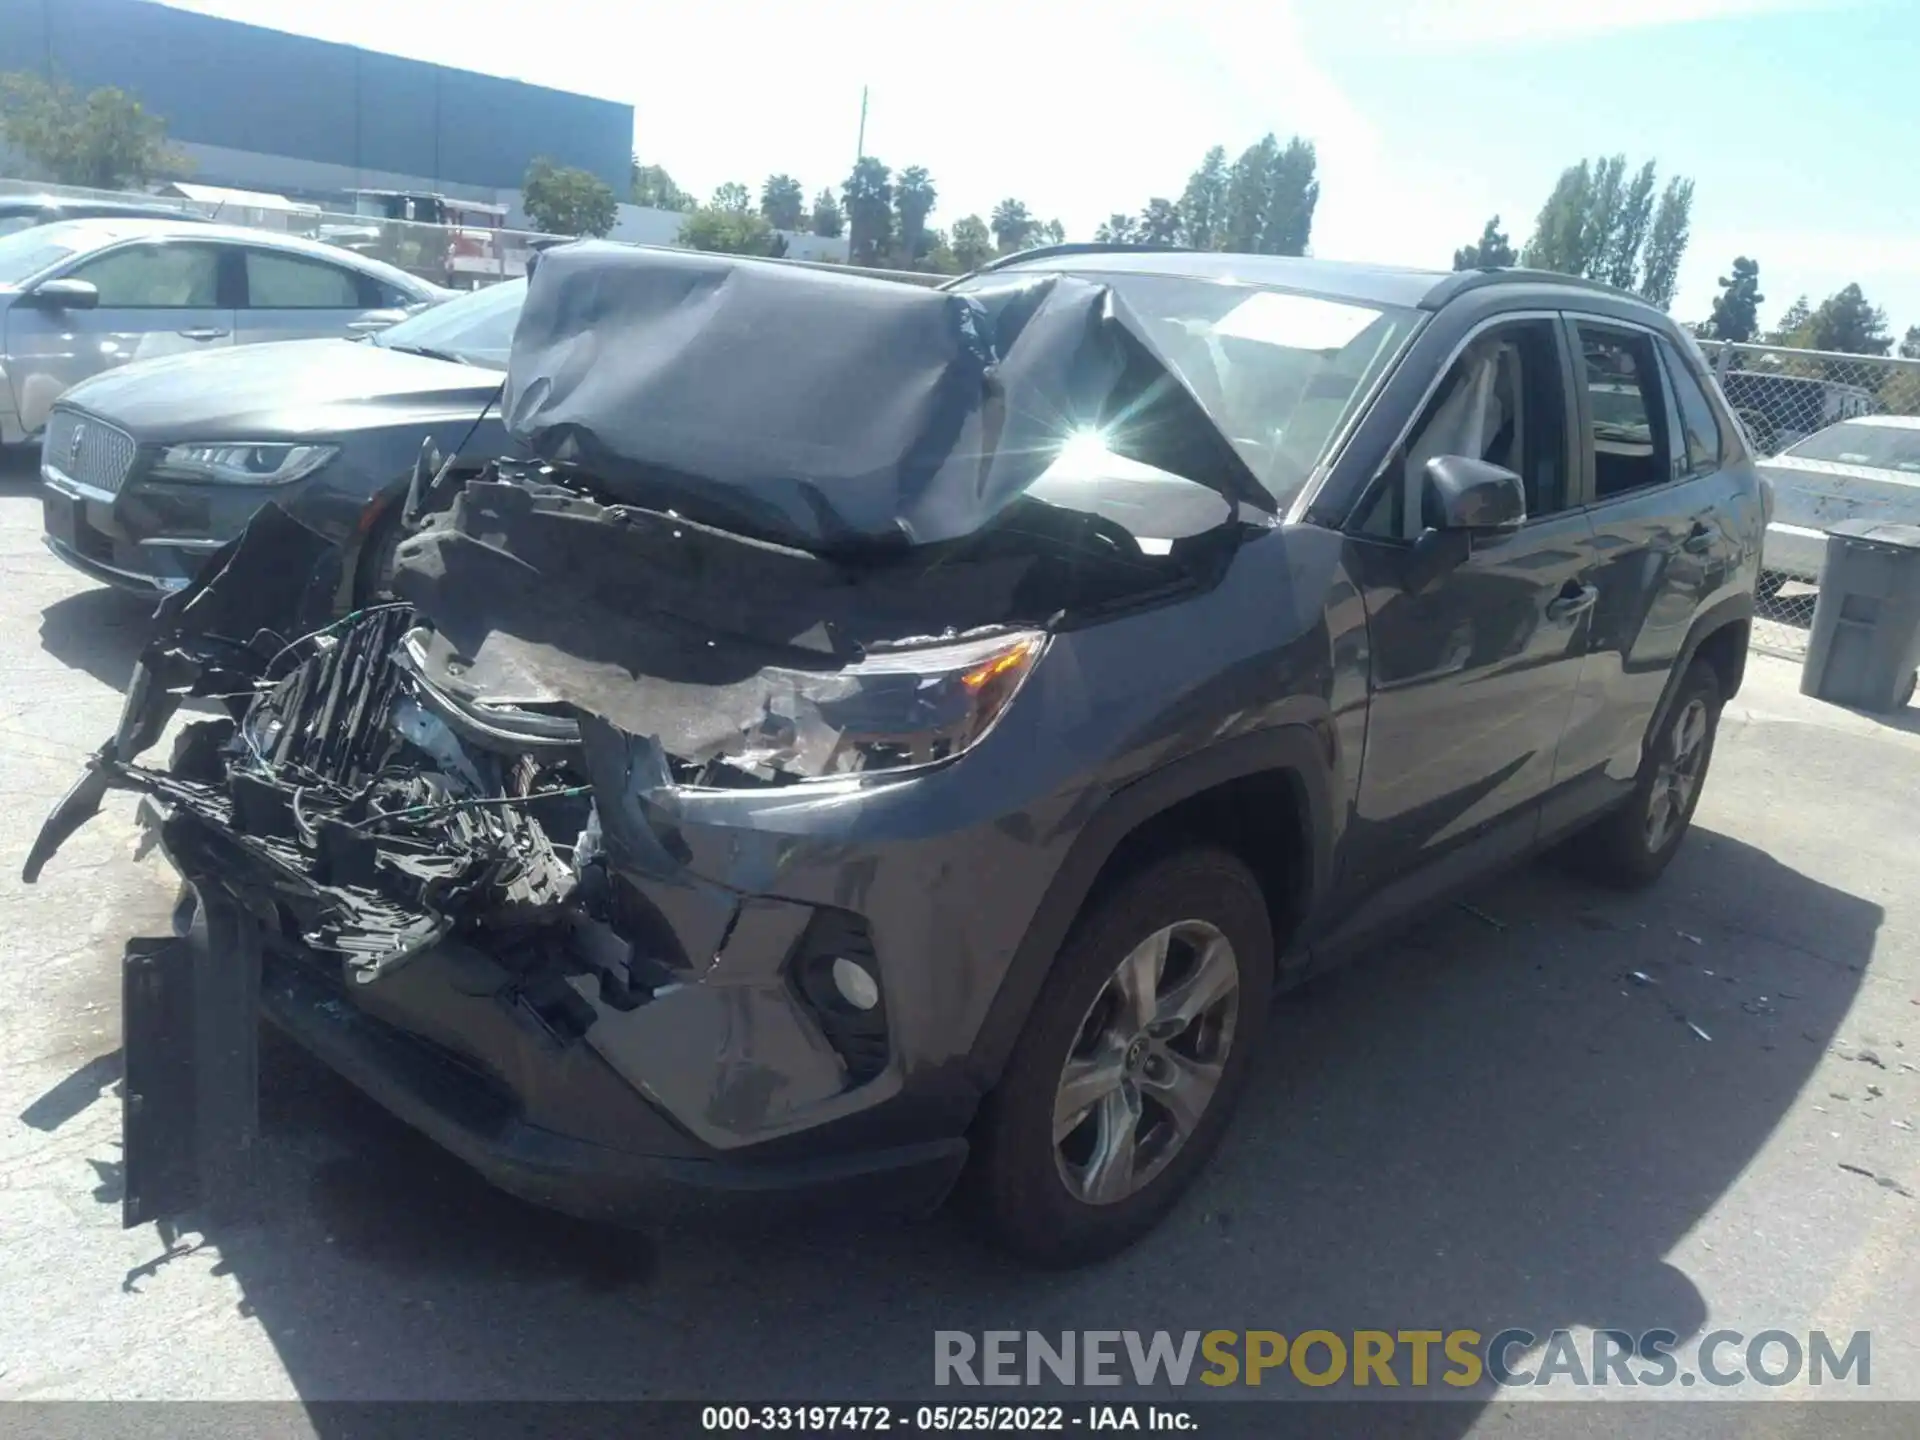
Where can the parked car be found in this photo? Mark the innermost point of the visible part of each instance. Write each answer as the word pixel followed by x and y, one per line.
pixel 146 470
pixel 23 212
pixel 85 296
pixel 885 738
pixel 1781 410
pixel 1862 469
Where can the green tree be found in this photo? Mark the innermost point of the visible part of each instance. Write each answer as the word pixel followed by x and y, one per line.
pixel 1051 233
pixel 914 197
pixel 1117 229
pixel 1606 198
pixel 1271 195
pixel 828 219
pixel 1736 309
pixel 1791 328
pixel 971 242
pixel 1910 343
pixel 1560 230
pixel 1159 222
pixel 653 187
pixel 732 196
pixel 937 255
pixel 104 139
pixel 1491 249
pixel 1620 262
pixel 868 192
pixel 1846 322
pixel 1667 243
pixel 730 230
pixel 561 200
pixel 1013 226
pixel 1203 204
pixel 783 202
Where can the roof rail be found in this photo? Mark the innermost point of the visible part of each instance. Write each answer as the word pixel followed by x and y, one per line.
pixel 1461 281
pixel 1073 247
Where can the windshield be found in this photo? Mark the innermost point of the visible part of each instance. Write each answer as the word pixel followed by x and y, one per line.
pixel 476 328
pixel 1887 447
pixel 25 253
pixel 1279 372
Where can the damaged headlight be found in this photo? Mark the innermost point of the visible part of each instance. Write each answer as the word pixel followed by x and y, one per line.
pixel 888 712
pixel 241 463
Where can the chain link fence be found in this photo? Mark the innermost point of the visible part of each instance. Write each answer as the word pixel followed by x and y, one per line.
pixel 1795 405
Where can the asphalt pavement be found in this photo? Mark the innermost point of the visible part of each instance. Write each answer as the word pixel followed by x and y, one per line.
pixel 1491 1123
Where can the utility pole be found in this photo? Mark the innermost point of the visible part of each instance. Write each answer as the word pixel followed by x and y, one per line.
pixel 860 147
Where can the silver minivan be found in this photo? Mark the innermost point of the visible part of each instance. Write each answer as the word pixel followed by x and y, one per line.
pixel 83 296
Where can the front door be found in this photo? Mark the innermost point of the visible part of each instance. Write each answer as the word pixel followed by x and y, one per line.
pixel 1473 670
pixel 157 297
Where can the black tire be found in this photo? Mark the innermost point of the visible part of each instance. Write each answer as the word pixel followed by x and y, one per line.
pixel 1768 585
pixel 1017 1184
pixel 1623 849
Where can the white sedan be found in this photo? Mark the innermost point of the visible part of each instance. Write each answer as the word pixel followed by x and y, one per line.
pixel 1862 469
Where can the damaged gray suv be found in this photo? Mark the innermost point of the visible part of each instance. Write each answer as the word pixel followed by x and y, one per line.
pixel 890 741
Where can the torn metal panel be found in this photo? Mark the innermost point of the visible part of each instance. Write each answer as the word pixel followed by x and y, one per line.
pixel 830 412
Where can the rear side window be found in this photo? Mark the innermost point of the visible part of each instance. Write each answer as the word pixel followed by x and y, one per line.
pixel 293 282
pixel 1699 427
pixel 1627 411
pixel 155 277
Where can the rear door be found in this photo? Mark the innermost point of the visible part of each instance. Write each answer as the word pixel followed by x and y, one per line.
pixel 1474 670
pixel 1651 455
pixel 157 297
pixel 285 296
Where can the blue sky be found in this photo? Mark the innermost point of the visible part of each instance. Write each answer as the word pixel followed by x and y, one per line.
pixel 1797 119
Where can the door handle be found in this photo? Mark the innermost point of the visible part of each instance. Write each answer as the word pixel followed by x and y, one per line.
pixel 1699 539
pixel 207 332
pixel 1572 602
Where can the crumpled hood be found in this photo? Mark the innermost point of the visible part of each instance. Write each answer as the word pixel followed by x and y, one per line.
pixel 832 411
pixel 288 389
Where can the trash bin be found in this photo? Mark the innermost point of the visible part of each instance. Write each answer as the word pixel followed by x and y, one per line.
pixel 1865 644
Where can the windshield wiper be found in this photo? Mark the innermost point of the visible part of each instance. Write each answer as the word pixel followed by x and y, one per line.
pixel 429 352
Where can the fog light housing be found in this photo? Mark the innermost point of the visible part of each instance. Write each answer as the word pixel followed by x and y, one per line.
pixel 834 972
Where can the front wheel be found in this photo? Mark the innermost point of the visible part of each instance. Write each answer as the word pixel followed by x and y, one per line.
pixel 1130 1064
pixel 1632 846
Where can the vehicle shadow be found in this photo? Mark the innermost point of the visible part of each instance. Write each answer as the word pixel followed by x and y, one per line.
pixel 100 631
pixel 19 469
pixel 1493 1123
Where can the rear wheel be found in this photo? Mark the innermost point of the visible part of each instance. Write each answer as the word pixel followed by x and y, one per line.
pixel 1130 1064
pixel 1632 846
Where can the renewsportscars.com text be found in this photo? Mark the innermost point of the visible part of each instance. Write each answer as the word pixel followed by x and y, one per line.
pixel 1410 1359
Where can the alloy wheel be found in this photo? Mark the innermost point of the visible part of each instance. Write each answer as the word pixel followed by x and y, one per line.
pixel 1146 1062
pixel 1678 774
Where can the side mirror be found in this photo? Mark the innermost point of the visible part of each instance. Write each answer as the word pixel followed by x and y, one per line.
pixel 64 295
pixel 1474 495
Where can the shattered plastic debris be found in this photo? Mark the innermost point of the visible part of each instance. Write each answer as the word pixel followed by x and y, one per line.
pixel 1902 1124
pixel 1698 1031
pixel 1640 977
pixel 1691 939
pixel 1483 916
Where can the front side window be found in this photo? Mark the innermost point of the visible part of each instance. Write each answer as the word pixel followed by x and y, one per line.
pixel 293 282
pixel 1627 429
pixel 1502 400
pixel 155 277
pixel 1699 427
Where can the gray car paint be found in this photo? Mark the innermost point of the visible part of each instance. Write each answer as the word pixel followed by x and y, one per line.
pixel 376 404
pixel 1312 667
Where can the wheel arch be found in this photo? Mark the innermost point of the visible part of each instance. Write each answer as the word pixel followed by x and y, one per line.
pixel 1267 795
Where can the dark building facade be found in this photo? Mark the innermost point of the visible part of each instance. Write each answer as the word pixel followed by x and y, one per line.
pixel 259 107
